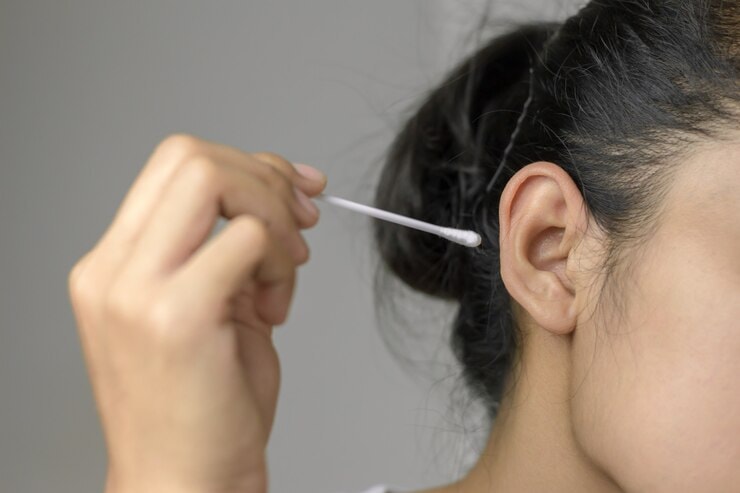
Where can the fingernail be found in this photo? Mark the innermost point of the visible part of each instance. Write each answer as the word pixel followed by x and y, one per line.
pixel 306 202
pixel 310 172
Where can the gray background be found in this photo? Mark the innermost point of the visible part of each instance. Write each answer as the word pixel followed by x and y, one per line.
pixel 88 88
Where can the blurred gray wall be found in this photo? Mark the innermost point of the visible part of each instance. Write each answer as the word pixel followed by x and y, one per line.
pixel 88 88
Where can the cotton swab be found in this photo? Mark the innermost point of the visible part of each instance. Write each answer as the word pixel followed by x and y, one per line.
pixel 459 236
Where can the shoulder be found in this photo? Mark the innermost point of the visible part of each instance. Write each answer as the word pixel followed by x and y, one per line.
pixel 379 488
pixel 385 488
pixel 389 488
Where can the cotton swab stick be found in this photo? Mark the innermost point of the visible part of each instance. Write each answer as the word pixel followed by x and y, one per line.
pixel 459 236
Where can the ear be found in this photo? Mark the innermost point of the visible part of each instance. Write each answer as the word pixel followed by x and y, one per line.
pixel 541 217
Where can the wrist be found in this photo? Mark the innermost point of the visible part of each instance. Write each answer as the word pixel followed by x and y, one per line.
pixel 117 485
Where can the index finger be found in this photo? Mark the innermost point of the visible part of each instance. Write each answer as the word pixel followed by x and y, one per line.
pixel 148 187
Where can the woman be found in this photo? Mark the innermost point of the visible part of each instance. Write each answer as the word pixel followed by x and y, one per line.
pixel 600 160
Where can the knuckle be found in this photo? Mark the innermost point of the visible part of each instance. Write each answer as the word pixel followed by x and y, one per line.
pixel 165 322
pixel 277 214
pixel 180 145
pixel 288 221
pixel 81 287
pixel 255 229
pixel 279 182
pixel 288 217
pixel 158 320
pixel 202 170
pixel 121 303
pixel 176 149
pixel 312 221
pixel 74 275
pixel 270 157
pixel 304 255
pixel 169 325
pixel 277 162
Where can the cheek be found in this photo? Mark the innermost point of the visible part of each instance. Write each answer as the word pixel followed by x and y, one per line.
pixel 656 394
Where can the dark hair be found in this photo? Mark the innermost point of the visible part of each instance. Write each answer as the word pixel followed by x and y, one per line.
pixel 613 95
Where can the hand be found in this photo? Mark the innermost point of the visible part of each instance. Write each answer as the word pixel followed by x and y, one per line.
pixel 176 327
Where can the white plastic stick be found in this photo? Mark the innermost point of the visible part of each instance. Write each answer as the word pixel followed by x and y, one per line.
pixel 460 236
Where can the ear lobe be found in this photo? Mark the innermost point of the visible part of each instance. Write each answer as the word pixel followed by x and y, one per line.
pixel 539 215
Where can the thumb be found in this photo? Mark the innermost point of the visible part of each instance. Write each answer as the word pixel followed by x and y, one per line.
pixel 243 251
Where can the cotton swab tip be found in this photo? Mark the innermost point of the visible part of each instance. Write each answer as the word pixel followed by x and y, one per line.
pixel 462 237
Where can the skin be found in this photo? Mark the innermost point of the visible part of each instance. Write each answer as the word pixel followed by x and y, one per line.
pixel 641 395
pixel 176 328
pixel 638 393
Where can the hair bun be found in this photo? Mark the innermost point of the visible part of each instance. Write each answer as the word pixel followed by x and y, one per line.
pixel 439 162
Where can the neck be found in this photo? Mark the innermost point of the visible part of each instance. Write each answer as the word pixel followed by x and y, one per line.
pixel 532 446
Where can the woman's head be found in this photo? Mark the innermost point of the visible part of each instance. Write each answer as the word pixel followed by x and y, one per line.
pixel 600 161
